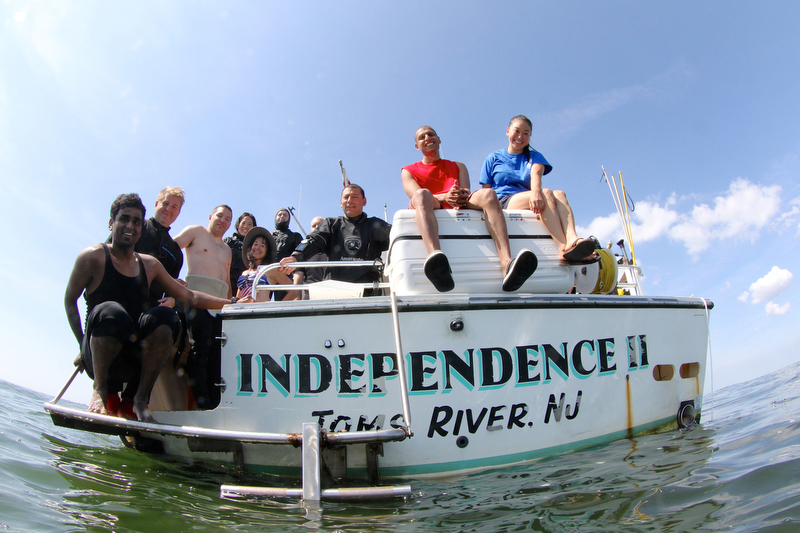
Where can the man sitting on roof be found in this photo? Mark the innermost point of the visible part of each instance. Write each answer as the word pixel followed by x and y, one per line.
pixel 436 183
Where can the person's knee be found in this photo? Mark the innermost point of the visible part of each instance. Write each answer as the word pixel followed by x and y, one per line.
pixel 161 335
pixel 422 199
pixel 485 199
pixel 561 196
pixel 105 347
pixel 548 195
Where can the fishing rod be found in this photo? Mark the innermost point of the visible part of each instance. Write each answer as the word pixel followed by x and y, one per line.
pixel 621 209
pixel 291 212
pixel 345 179
pixel 628 201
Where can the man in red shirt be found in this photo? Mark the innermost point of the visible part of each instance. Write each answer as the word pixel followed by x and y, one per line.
pixel 436 183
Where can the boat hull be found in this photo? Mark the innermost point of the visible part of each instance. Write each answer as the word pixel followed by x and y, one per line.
pixel 491 380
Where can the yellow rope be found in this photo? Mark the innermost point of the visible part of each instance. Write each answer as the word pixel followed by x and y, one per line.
pixel 607 276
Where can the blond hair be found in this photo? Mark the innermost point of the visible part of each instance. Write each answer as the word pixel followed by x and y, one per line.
pixel 174 191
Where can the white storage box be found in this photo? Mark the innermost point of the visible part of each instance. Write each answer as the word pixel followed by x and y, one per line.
pixel 472 254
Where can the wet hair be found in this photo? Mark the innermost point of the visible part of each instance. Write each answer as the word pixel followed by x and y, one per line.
pixel 174 191
pixel 251 261
pixel 354 186
pixel 241 217
pixel 525 119
pixel 126 200
pixel 225 206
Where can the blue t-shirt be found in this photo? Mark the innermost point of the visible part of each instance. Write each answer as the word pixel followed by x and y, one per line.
pixel 511 173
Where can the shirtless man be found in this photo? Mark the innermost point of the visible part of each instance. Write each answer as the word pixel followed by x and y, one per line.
pixel 208 260
pixel 436 183
pixel 124 340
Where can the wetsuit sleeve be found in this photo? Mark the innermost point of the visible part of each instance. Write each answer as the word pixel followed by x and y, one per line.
pixel 379 238
pixel 317 241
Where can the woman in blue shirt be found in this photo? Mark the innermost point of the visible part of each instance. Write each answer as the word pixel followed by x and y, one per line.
pixel 515 173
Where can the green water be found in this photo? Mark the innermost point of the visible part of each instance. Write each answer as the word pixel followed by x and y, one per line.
pixel 737 472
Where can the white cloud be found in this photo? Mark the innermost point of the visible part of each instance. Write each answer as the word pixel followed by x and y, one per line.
pixel 606 229
pixel 743 297
pixel 653 220
pixel 776 281
pixel 773 309
pixel 791 217
pixel 740 214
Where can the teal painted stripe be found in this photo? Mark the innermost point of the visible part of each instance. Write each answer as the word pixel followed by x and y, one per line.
pixel 475 464
pixel 500 460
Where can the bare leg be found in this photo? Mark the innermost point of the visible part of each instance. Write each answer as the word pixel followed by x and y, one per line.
pixel 566 217
pixel 104 351
pixel 557 216
pixel 156 348
pixel 486 200
pixel 424 205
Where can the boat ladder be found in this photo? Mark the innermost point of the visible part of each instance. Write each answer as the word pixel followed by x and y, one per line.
pixel 312 461
pixel 312 474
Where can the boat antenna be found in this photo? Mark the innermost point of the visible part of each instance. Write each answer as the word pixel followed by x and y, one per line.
pixel 628 203
pixel 291 212
pixel 345 179
pixel 385 213
pixel 618 203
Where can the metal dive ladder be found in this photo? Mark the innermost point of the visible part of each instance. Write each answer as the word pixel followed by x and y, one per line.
pixel 313 440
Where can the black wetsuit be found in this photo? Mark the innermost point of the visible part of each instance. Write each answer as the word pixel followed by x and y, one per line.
pixel 315 274
pixel 119 308
pixel 285 242
pixel 235 242
pixel 130 293
pixel 360 238
pixel 155 240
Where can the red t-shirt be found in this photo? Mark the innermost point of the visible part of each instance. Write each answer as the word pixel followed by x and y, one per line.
pixel 438 177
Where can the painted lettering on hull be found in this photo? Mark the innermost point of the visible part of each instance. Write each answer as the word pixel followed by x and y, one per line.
pixel 447 421
pixel 434 371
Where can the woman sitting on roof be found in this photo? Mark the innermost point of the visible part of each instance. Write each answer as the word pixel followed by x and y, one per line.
pixel 259 249
pixel 515 173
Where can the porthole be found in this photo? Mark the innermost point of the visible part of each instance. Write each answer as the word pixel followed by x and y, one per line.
pixel 690 370
pixel 663 372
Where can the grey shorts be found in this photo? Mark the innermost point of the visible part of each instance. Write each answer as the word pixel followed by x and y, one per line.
pixel 504 201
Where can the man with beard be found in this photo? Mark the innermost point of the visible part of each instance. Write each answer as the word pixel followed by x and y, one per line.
pixel 286 241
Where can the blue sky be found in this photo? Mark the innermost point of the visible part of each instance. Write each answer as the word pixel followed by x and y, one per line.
pixel 253 104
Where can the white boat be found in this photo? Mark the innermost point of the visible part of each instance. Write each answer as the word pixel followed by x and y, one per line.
pixel 577 356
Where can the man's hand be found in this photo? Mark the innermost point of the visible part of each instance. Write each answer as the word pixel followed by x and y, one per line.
pixel 457 196
pixel 79 363
pixel 167 301
pixel 287 269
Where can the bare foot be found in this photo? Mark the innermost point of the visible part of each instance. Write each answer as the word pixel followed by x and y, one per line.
pixel 97 405
pixel 142 412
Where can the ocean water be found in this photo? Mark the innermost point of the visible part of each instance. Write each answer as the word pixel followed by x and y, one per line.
pixel 738 471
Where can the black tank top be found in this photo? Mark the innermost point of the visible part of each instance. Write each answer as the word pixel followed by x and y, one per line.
pixel 130 293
